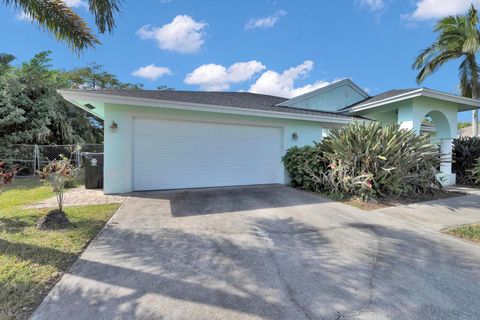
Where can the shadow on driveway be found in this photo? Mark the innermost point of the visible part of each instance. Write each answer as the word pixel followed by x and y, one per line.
pixel 281 268
pixel 192 202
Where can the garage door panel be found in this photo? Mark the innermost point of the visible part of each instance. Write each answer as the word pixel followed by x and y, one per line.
pixel 172 154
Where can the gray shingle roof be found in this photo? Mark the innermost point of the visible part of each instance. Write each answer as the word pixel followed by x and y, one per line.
pixel 379 97
pixel 243 100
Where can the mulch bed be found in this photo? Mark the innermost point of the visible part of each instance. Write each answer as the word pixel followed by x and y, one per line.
pixel 393 202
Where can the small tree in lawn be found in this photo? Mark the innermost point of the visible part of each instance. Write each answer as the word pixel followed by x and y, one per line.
pixel 57 173
pixel 6 175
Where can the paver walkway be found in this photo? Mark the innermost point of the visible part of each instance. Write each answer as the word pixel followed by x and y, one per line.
pixel 81 197
pixel 440 214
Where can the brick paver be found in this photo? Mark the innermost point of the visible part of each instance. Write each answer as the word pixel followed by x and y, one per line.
pixel 81 197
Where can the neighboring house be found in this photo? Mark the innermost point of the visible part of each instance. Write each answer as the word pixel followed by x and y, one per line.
pixel 466 132
pixel 187 139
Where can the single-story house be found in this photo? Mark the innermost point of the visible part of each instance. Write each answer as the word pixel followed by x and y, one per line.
pixel 158 140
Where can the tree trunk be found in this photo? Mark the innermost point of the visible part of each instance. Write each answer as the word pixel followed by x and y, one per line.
pixel 475 123
pixel 475 92
pixel 475 112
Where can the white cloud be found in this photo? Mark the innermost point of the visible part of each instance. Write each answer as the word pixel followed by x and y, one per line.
pixel 22 16
pixel 283 84
pixel 374 5
pixel 183 34
pixel 266 22
pixel 151 72
pixel 434 9
pixel 76 3
pixel 215 77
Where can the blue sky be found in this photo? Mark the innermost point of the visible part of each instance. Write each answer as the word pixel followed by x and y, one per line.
pixel 281 47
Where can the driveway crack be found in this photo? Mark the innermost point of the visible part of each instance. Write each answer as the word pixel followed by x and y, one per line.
pixel 368 306
pixel 290 293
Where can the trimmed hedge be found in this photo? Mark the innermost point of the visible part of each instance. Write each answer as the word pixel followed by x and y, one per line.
pixel 367 160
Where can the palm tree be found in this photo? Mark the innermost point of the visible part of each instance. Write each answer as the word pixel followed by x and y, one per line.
pixel 458 38
pixel 5 60
pixel 58 18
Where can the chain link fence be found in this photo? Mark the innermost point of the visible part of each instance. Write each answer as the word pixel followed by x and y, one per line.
pixel 31 158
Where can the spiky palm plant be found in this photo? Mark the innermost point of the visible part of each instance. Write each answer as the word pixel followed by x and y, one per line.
pixel 373 160
pixel 466 151
pixel 458 38
pixel 60 20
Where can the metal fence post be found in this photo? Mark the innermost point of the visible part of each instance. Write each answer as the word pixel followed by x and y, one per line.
pixel 77 151
pixel 35 159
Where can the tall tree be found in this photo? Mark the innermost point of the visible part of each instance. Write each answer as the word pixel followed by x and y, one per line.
pixel 5 60
pixel 458 38
pixel 94 77
pixel 32 112
pixel 60 20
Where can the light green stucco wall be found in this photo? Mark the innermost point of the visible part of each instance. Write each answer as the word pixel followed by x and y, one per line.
pixel 331 100
pixel 410 114
pixel 118 144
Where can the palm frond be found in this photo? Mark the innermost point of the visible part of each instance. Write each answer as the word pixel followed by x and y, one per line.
pixel 434 64
pixel 56 17
pixel 104 12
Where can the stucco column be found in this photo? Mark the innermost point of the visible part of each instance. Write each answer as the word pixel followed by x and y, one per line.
pixel 445 176
pixel 446 151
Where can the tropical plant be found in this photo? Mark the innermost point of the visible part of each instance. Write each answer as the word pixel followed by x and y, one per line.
pixel 458 38
pixel 466 151
pixel 57 173
pixel 7 174
pixel 61 21
pixel 369 160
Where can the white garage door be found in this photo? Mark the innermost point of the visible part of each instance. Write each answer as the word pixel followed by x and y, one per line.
pixel 171 154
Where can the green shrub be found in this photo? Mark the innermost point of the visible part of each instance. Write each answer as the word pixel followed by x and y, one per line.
pixel 466 151
pixel 370 160
pixel 299 162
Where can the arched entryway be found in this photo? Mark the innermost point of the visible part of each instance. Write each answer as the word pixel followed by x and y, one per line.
pixel 442 134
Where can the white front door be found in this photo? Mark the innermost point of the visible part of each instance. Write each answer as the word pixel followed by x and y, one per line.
pixel 172 154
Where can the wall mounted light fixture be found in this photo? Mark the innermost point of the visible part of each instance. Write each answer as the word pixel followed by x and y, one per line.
pixel 114 126
pixel 295 136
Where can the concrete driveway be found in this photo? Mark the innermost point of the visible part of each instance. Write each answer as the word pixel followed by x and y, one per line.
pixel 267 252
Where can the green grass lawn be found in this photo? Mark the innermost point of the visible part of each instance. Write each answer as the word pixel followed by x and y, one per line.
pixel 471 232
pixel 31 261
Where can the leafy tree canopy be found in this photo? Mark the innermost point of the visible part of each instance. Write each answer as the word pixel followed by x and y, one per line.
pixel 31 110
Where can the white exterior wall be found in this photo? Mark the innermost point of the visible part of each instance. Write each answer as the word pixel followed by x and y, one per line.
pixel 118 145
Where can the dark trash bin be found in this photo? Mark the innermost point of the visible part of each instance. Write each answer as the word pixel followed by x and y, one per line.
pixel 93 166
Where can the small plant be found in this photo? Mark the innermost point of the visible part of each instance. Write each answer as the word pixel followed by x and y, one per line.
pixel 57 173
pixel 6 175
